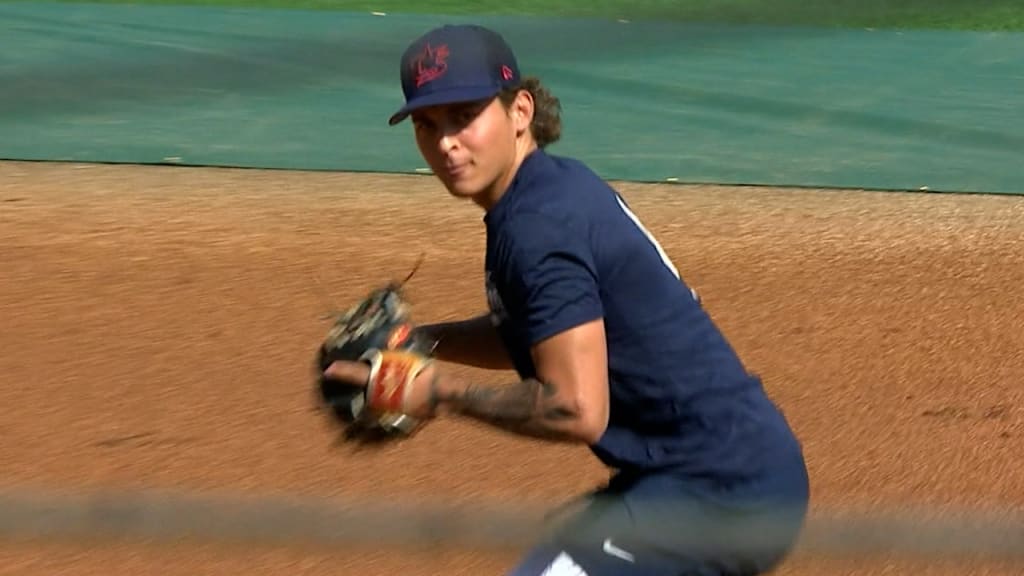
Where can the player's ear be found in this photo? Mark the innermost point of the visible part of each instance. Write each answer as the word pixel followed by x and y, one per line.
pixel 522 111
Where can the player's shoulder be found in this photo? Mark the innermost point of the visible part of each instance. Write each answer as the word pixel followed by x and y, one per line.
pixel 561 185
pixel 550 196
pixel 567 169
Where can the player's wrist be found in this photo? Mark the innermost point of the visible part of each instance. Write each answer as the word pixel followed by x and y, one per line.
pixel 434 394
pixel 430 336
pixel 441 393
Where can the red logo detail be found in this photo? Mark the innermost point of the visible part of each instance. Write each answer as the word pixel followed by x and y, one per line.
pixel 387 391
pixel 506 73
pixel 431 64
pixel 398 336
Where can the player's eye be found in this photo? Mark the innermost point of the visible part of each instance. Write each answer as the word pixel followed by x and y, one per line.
pixel 422 124
pixel 462 117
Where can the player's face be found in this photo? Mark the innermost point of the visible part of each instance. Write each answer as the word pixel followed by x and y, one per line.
pixel 472 148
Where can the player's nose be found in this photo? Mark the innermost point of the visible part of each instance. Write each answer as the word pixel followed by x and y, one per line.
pixel 447 143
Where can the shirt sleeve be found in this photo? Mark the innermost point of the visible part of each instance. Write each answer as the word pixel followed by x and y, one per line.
pixel 551 275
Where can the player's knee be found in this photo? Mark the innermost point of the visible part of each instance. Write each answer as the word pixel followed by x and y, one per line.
pixel 564 565
pixel 549 562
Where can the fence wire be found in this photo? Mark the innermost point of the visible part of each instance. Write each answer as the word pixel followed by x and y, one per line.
pixel 147 517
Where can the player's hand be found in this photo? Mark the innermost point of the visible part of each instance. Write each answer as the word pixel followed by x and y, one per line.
pixel 352 373
pixel 413 398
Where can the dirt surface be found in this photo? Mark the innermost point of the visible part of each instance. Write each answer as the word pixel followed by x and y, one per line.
pixel 158 326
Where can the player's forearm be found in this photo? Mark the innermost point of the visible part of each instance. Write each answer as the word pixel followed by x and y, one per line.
pixel 529 408
pixel 474 342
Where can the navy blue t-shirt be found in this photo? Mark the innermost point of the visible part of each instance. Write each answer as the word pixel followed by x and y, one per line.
pixel 563 248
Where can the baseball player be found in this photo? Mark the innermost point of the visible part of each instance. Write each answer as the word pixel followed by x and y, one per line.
pixel 612 348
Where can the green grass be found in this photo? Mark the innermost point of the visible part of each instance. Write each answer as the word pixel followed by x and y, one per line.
pixel 1004 15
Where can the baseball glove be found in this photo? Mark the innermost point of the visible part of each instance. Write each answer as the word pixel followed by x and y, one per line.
pixel 377 326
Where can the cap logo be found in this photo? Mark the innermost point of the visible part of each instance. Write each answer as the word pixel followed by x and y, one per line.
pixel 506 73
pixel 430 64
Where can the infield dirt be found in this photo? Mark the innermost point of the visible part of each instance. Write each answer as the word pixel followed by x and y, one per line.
pixel 159 325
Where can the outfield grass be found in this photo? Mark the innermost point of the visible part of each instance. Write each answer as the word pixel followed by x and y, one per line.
pixel 1006 15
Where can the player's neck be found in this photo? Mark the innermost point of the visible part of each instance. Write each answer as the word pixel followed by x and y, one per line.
pixel 490 197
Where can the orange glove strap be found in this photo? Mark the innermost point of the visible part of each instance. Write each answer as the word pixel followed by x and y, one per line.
pixel 392 374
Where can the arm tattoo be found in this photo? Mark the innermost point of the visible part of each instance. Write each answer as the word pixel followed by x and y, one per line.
pixel 530 407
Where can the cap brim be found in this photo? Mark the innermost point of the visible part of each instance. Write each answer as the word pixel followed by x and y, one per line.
pixel 440 98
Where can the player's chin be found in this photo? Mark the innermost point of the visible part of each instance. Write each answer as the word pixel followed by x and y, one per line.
pixel 462 187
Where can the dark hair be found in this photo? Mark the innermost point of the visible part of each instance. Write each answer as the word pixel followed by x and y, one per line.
pixel 547 120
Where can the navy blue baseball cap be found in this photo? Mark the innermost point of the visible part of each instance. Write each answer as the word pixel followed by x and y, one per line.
pixel 452 64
